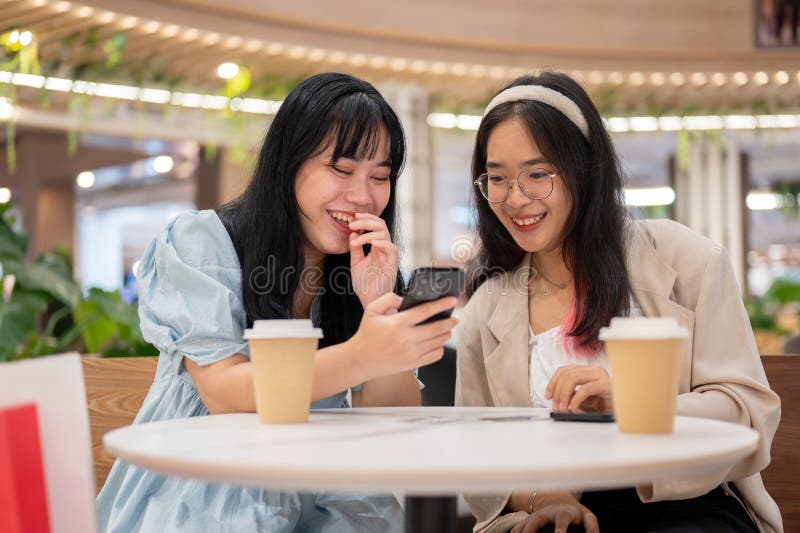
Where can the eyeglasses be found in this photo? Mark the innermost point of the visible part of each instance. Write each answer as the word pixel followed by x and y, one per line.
pixel 535 183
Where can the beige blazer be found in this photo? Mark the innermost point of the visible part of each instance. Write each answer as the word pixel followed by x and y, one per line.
pixel 673 272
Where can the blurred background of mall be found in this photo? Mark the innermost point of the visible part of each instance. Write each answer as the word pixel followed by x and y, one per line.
pixel 119 114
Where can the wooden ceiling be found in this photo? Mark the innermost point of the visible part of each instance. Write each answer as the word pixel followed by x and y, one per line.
pixel 647 57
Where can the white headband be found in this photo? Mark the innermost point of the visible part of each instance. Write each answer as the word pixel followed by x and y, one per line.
pixel 545 95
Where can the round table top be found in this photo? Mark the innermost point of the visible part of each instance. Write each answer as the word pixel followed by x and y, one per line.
pixel 427 450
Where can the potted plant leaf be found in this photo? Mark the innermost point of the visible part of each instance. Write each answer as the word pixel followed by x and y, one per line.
pixel 43 310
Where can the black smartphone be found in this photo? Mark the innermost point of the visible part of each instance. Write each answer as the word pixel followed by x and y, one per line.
pixel 568 416
pixel 431 283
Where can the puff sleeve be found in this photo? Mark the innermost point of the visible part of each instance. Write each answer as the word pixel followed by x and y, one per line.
pixel 190 291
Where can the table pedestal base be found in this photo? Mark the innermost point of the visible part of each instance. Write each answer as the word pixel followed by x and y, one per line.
pixel 431 514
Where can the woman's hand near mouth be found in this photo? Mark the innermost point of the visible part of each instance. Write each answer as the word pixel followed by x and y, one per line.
pixel 375 274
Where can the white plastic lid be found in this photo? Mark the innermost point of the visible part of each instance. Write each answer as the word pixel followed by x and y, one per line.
pixel 642 327
pixel 283 329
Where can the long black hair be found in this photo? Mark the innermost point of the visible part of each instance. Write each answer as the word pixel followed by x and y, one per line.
pixel 593 247
pixel 264 222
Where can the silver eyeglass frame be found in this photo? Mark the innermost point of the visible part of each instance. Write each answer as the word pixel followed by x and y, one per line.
pixel 509 181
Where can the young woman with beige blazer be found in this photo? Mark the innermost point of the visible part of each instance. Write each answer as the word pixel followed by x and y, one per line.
pixel 558 258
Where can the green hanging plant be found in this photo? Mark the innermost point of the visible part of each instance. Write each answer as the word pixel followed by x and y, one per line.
pixel 790 193
pixel 16 57
pixel 683 150
pixel 86 56
pixel 114 48
pixel 238 84
pixel 78 108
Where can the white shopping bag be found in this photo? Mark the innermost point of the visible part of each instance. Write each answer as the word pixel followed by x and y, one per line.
pixel 55 385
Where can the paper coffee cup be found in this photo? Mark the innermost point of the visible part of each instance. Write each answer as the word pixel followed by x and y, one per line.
pixel 645 358
pixel 282 353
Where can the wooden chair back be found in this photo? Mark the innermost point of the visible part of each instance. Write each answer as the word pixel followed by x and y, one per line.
pixel 115 390
pixel 780 477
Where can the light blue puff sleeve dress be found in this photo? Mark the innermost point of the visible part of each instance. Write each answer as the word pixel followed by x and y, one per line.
pixel 190 305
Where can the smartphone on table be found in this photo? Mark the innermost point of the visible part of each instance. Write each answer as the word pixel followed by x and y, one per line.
pixel 569 416
pixel 431 283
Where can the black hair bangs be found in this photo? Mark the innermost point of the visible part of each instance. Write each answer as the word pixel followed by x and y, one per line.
pixel 358 126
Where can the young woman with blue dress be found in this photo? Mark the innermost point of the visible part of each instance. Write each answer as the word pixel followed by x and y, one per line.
pixel 311 237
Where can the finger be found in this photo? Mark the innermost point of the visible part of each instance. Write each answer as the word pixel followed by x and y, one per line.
pixel 587 390
pixel 383 305
pixel 420 312
pixel 557 376
pixel 584 372
pixel 551 385
pixel 369 223
pixel 594 404
pixel 368 238
pixel 435 342
pixel 430 357
pixel 536 522
pixel 563 519
pixel 361 230
pixel 435 328
pixel 356 250
pixel 578 398
pixel 563 387
pixel 366 216
pixel 590 523
pixel 561 523
pixel 431 336
pixel 383 244
pixel 387 249
pixel 519 528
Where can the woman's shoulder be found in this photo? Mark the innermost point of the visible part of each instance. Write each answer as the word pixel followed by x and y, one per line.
pixel 199 238
pixel 674 243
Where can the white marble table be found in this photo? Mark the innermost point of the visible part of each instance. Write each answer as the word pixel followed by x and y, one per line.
pixel 427 451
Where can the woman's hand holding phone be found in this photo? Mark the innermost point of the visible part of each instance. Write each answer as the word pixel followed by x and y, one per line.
pixel 375 274
pixel 388 342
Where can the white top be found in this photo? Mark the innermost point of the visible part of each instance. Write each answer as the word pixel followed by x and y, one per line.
pixel 427 450
pixel 548 353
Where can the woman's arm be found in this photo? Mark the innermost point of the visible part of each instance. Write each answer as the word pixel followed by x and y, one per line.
pixel 227 386
pixel 385 348
pixel 728 380
pixel 399 390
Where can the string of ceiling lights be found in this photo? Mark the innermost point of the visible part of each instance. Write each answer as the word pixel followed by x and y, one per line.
pixel 403 64
pixel 228 70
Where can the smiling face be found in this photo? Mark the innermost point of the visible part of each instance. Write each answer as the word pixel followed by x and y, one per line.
pixel 329 193
pixel 535 225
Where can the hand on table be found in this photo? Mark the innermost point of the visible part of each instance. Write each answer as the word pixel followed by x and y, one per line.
pixel 594 393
